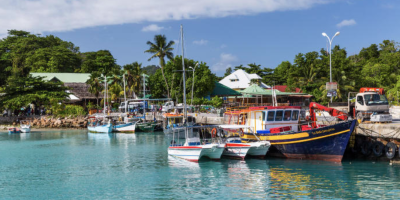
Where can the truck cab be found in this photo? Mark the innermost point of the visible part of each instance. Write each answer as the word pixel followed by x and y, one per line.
pixel 370 103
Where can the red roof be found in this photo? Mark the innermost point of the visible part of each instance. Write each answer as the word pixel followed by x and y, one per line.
pixel 282 88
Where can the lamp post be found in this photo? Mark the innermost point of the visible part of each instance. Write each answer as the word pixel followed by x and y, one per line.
pixel 330 55
pixel 193 69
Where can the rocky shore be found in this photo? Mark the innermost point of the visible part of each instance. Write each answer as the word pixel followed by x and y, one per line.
pixel 46 122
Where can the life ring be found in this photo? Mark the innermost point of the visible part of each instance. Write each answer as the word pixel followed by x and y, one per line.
pixel 214 132
pixel 377 148
pixel 390 150
pixel 366 148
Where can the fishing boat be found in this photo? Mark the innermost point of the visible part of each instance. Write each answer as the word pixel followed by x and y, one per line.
pixel 13 130
pixel 143 126
pixel 25 126
pixel 191 149
pixel 280 125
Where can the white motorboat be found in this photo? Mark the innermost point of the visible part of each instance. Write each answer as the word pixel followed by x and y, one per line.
pixel 25 126
pixel 193 150
pixel 236 149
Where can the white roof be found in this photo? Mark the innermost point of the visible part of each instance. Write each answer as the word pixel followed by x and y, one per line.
pixel 242 78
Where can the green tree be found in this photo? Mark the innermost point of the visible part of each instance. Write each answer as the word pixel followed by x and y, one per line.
pixel 133 78
pixel 101 61
pixel 96 86
pixel 161 49
pixel 21 92
pixel 228 71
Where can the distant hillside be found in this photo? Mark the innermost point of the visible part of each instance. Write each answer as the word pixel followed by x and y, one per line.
pixel 150 69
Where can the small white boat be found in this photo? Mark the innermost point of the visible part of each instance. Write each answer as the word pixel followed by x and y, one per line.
pixel 125 128
pixel 25 126
pixel 236 149
pixel 98 127
pixel 193 150
pixel 13 130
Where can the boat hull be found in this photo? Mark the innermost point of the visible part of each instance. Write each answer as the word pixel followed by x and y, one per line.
pixel 100 129
pixel 190 153
pixel 125 128
pixel 236 150
pixel 13 130
pixel 327 143
pixel 194 153
pixel 259 149
pixel 25 129
pixel 212 151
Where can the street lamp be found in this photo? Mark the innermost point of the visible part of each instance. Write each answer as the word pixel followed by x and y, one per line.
pixel 193 69
pixel 330 54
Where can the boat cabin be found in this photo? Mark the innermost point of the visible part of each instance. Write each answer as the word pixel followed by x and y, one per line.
pixel 264 118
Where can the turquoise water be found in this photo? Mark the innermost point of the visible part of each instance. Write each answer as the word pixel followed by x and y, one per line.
pixel 78 165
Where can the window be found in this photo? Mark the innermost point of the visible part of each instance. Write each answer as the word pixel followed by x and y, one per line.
pixel 263 116
pixel 271 115
pixel 375 99
pixel 360 100
pixel 287 115
pixel 279 115
pixel 295 115
pixel 234 80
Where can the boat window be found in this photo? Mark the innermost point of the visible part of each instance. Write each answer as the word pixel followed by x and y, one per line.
pixel 270 116
pixel 360 100
pixel 279 115
pixel 295 115
pixel 287 115
pixel 263 116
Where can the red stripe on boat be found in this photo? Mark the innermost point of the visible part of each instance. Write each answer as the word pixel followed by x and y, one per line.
pixel 237 145
pixel 185 147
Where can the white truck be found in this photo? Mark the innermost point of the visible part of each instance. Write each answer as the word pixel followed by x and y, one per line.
pixel 170 105
pixel 370 103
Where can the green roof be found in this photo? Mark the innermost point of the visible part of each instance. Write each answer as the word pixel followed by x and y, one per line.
pixel 254 89
pixel 257 90
pixel 222 90
pixel 64 77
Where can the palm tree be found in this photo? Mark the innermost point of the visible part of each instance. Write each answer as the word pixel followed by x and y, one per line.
pixel 95 85
pixel 133 77
pixel 160 49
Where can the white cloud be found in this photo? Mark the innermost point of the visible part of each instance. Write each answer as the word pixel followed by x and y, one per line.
pixel 65 15
pixel 346 22
pixel 152 28
pixel 200 42
pixel 225 60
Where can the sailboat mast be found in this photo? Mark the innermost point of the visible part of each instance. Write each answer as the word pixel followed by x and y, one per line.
pixel 124 93
pixel 184 80
pixel 105 92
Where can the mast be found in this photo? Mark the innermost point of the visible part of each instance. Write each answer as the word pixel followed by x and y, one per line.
pixel 144 96
pixel 184 81
pixel 105 92
pixel 125 93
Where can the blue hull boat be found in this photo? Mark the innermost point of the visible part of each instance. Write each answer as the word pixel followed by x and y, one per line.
pixel 327 143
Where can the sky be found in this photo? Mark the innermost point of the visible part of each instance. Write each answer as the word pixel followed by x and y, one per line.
pixel 222 33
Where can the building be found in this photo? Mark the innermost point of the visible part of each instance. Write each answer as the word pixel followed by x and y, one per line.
pixel 240 80
pixel 79 89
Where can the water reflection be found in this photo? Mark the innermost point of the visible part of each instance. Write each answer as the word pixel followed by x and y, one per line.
pixel 299 179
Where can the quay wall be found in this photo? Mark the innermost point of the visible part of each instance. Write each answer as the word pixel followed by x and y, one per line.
pixel 45 122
